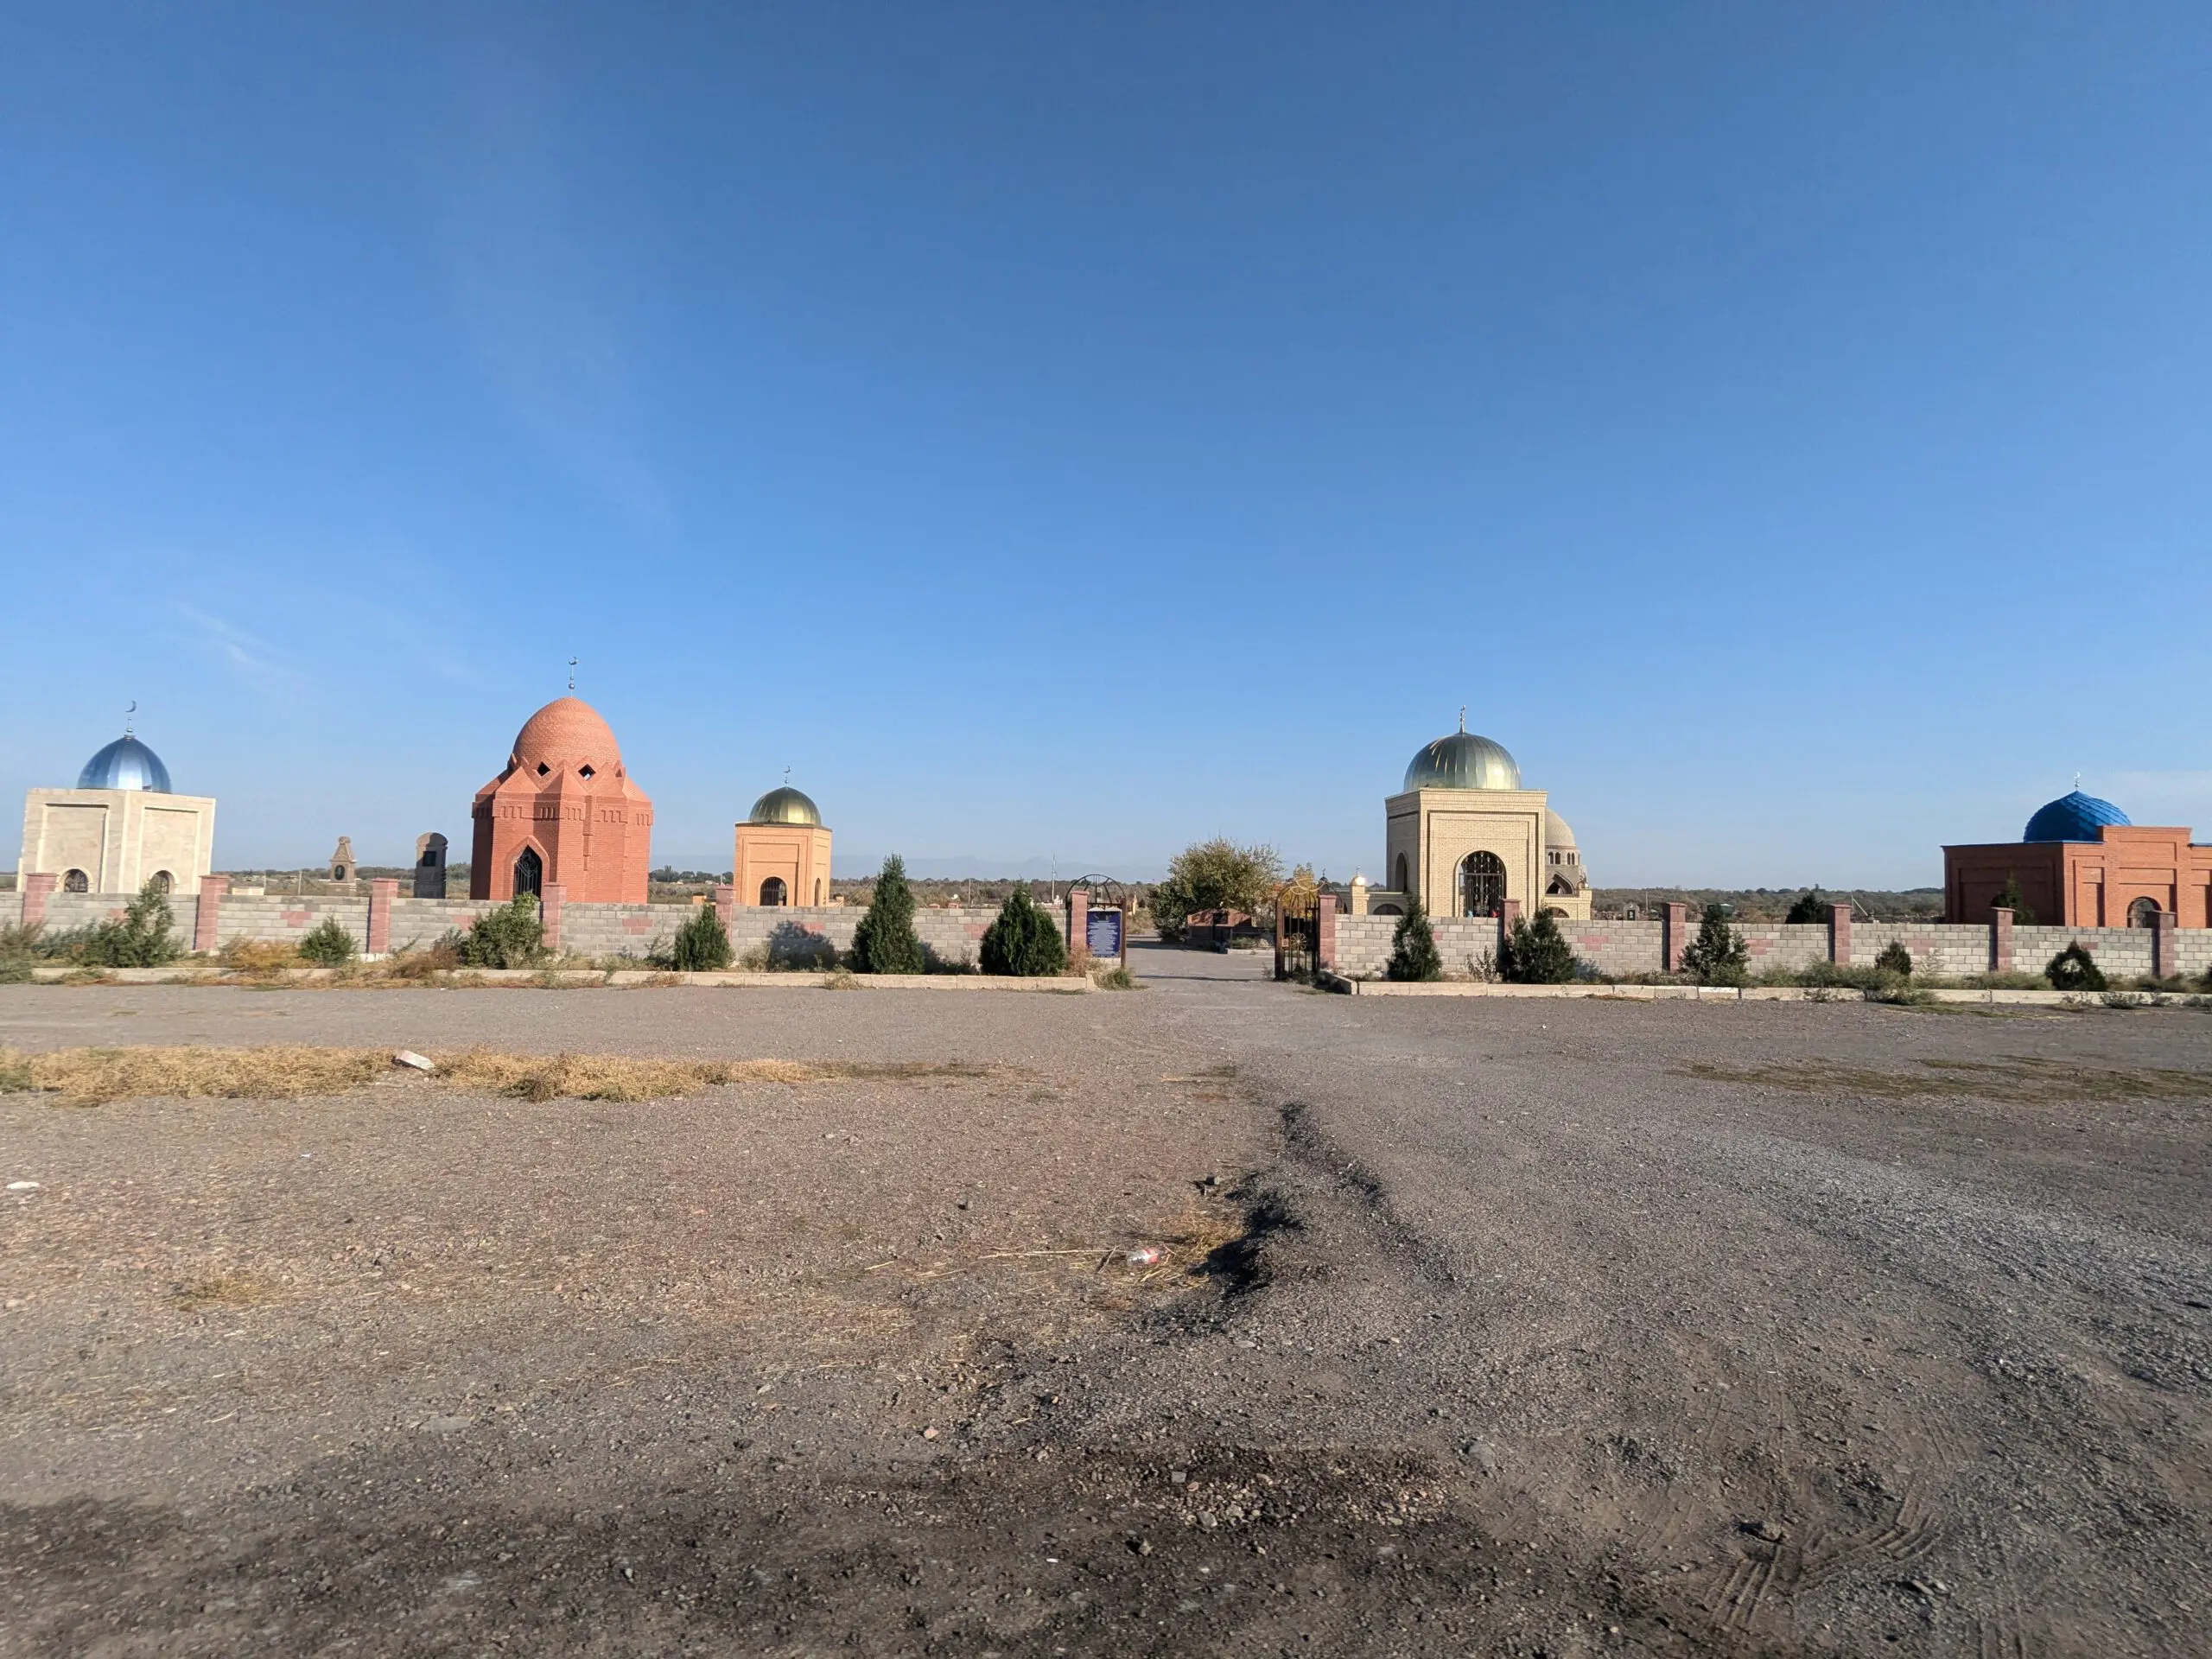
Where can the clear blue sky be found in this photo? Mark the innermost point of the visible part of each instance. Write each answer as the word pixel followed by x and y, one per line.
pixel 1063 431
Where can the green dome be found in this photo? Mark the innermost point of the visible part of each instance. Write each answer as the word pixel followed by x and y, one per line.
pixel 1463 760
pixel 784 805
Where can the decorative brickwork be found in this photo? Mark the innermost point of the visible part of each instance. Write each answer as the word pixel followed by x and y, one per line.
pixel 38 887
pixel 382 892
pixel 566 805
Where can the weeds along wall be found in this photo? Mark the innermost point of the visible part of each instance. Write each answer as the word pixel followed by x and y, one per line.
pixel 1625 948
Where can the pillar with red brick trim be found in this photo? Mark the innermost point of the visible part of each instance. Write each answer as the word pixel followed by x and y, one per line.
pixel 38 887
pixel 1078 918
pixel 1324 931
pixel 549 901
pixel 382 891
pixel 2165 945
pixel 207 912
pixel 1839 935
pixel 1673 918
pixel 726 908
pixel 2000 939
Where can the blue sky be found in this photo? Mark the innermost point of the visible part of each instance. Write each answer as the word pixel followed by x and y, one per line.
pixel 1060 433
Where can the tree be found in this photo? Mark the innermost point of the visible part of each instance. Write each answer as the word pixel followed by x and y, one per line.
pixel 702 945
pixel 1025 941
pixel 1215 875
pixel 329 945
pixel 1717 956
pixel 511 936
pixel 2010 900
pixel 2075 969
pixel 141 939
pixel 885 942
pixel 1536 952
pixel 1413 947
pixel 1894 958
pixel 1810 907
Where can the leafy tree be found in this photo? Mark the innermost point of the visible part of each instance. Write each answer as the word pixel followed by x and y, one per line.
pixel 1810 907
pixel 513 936
pixel 1717 956
pixel 329 945
pixel 1413 947
pixel 1215 875
pixel 1536 952
pixel 702 945
pixel 1894 958
pixel 141 939
pixel 885 942
pixel 1025 941
pixel 2075 969
pixel 2010 900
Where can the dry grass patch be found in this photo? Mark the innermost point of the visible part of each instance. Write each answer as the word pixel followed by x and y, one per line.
pixel 224 1290
pixel 2040 1082
pixel 91 1076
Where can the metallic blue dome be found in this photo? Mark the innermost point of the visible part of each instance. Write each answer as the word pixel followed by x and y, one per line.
pixel 2072 817
pixel 126 763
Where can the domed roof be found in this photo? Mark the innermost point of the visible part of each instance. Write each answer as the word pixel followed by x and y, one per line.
pixel 1556 831
pixel 1463 760
pixel 784 805
pixel 2074 817
pixel 567 732
pixel 126 763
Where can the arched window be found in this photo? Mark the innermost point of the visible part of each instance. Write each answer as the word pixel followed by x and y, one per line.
pixel 1560 888
pixel 2144 912
pixel 818 893
pixel 1402 887
pixel 75 882
pixel 529 872
pixel 1482 884
pixel 771 891
pixel 164 882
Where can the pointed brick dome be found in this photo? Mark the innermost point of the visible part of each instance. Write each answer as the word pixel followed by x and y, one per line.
pixel 567 733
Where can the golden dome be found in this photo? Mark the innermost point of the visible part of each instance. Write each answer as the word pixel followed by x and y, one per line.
pixel 784 805
pixel 1463 760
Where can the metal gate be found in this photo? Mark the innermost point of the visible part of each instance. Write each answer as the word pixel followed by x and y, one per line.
pixel 1298 932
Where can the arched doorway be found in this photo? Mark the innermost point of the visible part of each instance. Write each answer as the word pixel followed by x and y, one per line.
pixel 772 891
pixel 529 872
pixel 164 881
pixel 1402 887
pixel 75 882
pixel 2144 912
pixel 1482 884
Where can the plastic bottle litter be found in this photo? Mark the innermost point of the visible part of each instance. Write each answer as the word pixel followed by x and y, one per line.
pixel 1144 1257
pixel 409 1056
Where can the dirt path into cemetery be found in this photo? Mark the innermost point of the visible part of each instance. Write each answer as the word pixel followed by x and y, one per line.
pixel 1561 1328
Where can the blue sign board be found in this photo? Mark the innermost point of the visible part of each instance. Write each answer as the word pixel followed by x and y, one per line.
pixel 1103 932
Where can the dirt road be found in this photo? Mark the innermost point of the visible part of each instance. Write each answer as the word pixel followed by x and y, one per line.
pixel 1561 1328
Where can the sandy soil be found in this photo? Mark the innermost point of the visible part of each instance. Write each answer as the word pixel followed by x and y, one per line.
pixel 1556 1328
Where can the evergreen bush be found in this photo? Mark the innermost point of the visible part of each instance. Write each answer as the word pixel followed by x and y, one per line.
pixel 141 939
pixel 1717 956
pixel 701 944
pixel 1536 952
pixel 2009 899
pixel 1025 941
pixel 513 936
pixel 329 945
pixel 1810 907
pixel 2075 969
pixel 1413 947
pixel 885 942
pixel 1895 959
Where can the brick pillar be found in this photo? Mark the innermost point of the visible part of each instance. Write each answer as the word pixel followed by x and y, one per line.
pixel 1324 931
pixel 1839 935
pixel 1078 918
pixel 2165 955
pixel 382 892
pixel 550 899
pixel 2000 939
pixel 207 912
pixel 38 887
pixel 726 908
pixel 1673 919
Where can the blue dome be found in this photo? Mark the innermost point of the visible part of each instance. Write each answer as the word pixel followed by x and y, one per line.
pixel 2072 817
pixel 126 763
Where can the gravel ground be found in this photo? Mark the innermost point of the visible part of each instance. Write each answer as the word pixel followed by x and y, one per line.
pixel 1535 1327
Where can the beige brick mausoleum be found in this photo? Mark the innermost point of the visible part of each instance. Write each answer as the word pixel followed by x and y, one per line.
pixel 122 827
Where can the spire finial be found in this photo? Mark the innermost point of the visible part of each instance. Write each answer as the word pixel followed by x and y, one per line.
pixel 127 721
pixel 787 776
pixel 2077 781
pixel 1463 717
pixel 572 673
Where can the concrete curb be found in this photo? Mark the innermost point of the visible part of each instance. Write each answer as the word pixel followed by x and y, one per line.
pixel 1967 996
pixel 578 978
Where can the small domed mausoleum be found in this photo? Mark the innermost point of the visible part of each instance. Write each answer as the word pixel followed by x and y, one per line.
pixel 781 855
pixel 121 826
pixel 2082 863
pixel 564 812
pixel 1466 839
